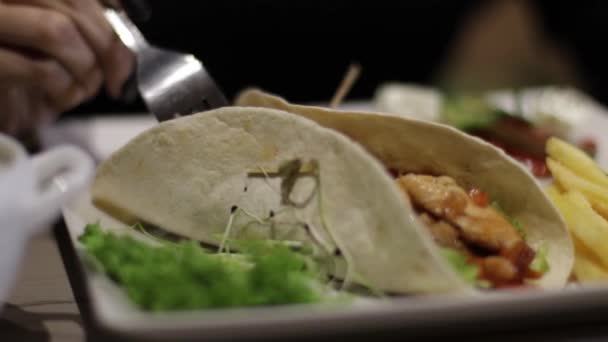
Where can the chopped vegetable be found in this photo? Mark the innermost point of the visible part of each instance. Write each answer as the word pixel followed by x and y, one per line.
pixel 540 263
pixel 516 224
pixel 468 271
pixel 184 276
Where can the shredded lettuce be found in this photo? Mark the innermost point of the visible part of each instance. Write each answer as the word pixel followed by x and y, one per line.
pixel 519 227
pixel 184 276
pixel 540 263
pixel 468 271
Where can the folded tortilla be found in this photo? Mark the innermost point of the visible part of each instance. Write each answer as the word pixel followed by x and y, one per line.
pixel 221 174
pixel 429 148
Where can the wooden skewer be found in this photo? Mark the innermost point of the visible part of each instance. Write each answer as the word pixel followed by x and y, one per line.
pixel 354 70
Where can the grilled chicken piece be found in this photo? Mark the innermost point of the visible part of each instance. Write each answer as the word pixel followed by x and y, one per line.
pixel 442 197
pixel 444 234
pixel 498 270
pixel 485 227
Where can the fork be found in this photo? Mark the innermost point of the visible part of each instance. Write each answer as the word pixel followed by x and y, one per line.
pixel 171 84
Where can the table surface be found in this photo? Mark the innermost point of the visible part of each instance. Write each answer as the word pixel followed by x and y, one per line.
pixel 41 306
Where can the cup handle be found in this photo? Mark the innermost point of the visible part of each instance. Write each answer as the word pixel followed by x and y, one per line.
pixel 69 168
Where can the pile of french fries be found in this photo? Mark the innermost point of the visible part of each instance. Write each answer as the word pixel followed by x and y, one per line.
pixel 580 192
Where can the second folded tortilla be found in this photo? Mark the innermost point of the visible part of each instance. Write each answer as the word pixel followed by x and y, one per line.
pixel 428 148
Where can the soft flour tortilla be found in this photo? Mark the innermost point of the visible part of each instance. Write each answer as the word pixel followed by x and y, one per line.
pixel 424 147
pixel 186 174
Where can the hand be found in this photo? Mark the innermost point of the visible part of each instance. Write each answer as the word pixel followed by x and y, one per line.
pixel 54 55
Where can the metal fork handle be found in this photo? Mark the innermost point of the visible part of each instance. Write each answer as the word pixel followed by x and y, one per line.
pixel 126 30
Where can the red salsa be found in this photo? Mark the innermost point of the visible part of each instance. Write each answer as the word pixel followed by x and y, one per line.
pixel 479 197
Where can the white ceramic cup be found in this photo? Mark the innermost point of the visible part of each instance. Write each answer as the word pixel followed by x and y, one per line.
pixel 32 191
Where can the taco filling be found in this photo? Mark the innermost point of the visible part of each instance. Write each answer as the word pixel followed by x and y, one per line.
pixel 469 224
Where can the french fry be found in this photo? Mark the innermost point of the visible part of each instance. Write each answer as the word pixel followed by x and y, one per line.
pixel 580 192
pixel 587 265
pixel 601 208
pixel 586 270
pixel 577 161
pixel 585 224
pixel 569 181
pixel 553 192
pixel 584 251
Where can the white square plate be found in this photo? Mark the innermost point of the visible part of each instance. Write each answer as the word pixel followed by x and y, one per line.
pixel 113 311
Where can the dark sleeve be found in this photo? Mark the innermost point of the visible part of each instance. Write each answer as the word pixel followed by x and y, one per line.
pixel 301 49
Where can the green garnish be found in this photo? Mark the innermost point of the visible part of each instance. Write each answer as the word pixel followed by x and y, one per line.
pixel 469 112
pixel 540 263
pixel 469 272
pixel 514 222
pixel 519 227
pixel 184 276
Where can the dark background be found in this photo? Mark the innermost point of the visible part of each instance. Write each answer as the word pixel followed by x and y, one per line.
pixel 301 49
